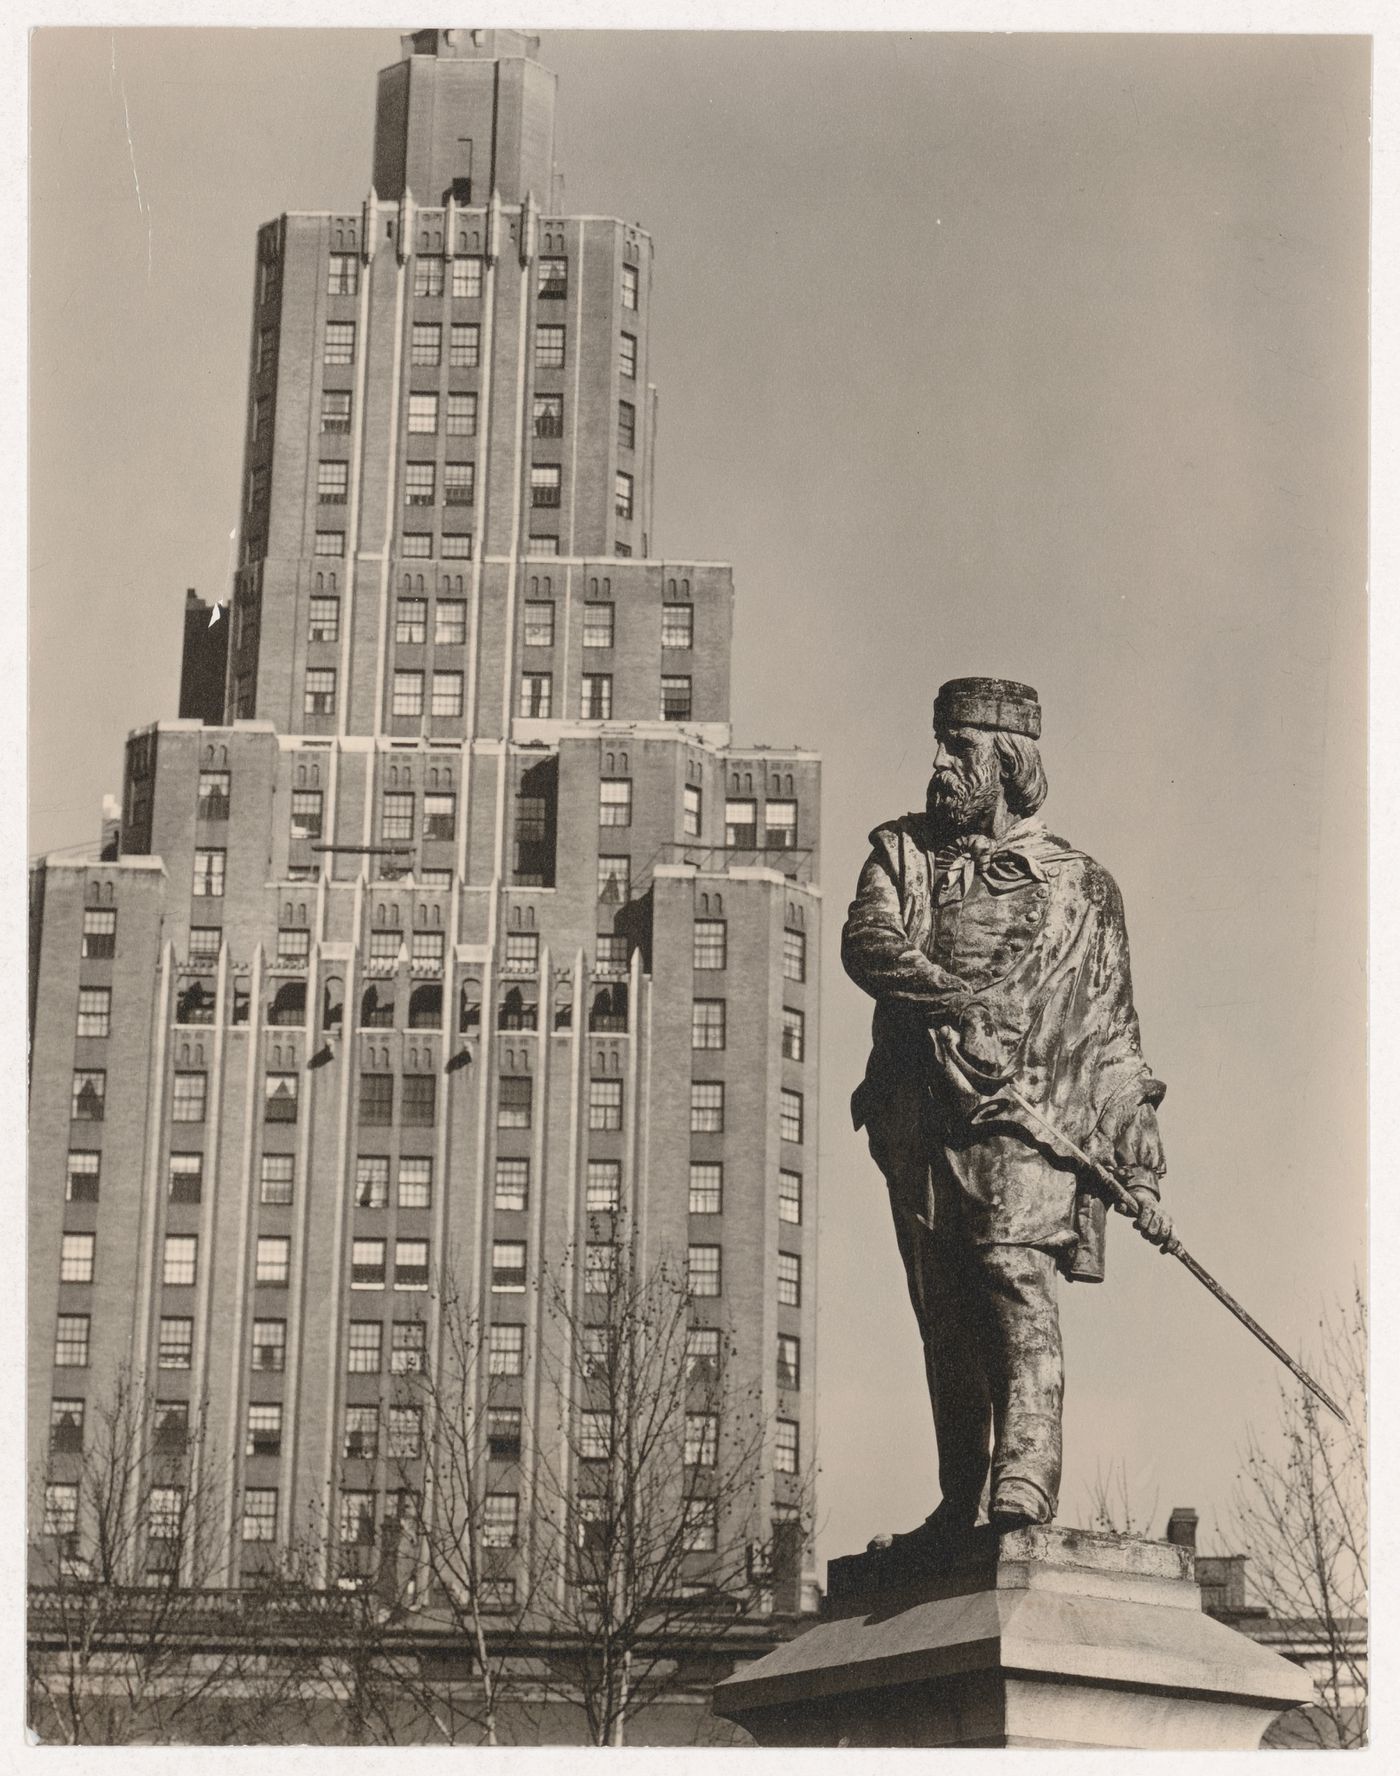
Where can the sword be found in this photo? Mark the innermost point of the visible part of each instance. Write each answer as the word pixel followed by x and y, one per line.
pixel 1124 1198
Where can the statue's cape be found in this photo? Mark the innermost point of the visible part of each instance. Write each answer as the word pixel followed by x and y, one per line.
pixel 1051 1013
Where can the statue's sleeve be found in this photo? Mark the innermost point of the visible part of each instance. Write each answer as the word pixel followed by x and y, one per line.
pixel 878 955
pixel 1128 1093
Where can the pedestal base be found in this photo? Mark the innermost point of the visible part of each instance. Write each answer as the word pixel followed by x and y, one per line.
pixel 1052 1637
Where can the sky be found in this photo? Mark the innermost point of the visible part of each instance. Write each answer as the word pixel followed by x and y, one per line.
pixel 1036 356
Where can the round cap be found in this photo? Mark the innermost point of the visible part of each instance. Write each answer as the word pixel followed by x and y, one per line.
pixel 989 703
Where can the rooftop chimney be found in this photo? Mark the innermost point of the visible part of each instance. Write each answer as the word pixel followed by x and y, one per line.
pixel 1181 1527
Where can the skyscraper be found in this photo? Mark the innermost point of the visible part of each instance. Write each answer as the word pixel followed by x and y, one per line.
pixel 468 920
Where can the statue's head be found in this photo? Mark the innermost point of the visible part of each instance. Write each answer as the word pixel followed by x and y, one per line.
pixel 987 768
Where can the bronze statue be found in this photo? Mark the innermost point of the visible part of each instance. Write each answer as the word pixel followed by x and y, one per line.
pixel 1005 1054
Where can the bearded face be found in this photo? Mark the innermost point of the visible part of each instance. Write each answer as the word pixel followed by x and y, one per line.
pixel 965 788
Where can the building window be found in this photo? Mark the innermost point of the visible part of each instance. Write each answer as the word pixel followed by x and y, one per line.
pixel 539 622
pixel 741 825
pixel 457 546
pixel 627 355
pixel 612 953
pixel 605 1104
pixel 265 1437
pixel 343 276
pixel 447 693
pixel 706 1188
pixel 187 1097
pixel 270 1346
pixel 538 547
pixel 275 1184
pixel 710 946
pixel 439 809
pixel 273 1260
pixel 514 1104
pixel 706 1107
pixel 785 1448
pixel 371 1181
pixel 597 697
pixel 789 1361
pixel 549 348
pixel 790 1117
pixel 703 1270
pixel 324 622
pixel 626 425
pixel 603 1187
pixel 522 952
pixel 257 487
pixel 405 1433
pixel 367 1264
pixel 622 549
pixel 209 874
pixel 407 696
pixel 707 1023
pixel 503 1432
pixel 260 1502
pixel 320 691
pixel 536 695
pixel 175 1343
pixel 340 342
pixel 552 283
pixel 411 622
pixel 614 879
pixel 417 545
pixel 415 1185
pixel 426 344
pixel 675 698
pixel 212 796
pixel 790 1197
pixel 597 627
pixel 332 483
pixel 71 1343
pixel 450 622
pixel 356 1518
pixel 180 1260
pixel 365 1346
pixel 512 1184
pixel 99 935
pixel 500 1520
pixel 376 1100
pixel 408 1348
pixel 280 1097
pixel 428 272
pixel 66 1426
pixel 629 286
pixel 505 1350
pixel 465 347
pixel 547 416
pixel 84 1176
pixel 789 1280
pixel 461 416
pixel 330 542
pixel 794 955
pixel 780 825
pixel 615 801
pixel 61 1508
pixel 204 943
pixel 306 813
pixel 794 1034
pixel 77 1256
pixel 335 410
pixel 701 1439
pixel 94 1011
pixel 267 349
pixel 544 484
pixel 677 625
pixel 422 412
pixel 89 1100
pixel 622 494
pixel 293 947
pixel 701 1353
pixel 419 484
pixel 458 483
pixel 508 1267
pixel 410 1264
pixel 420 1091
pixel 466 278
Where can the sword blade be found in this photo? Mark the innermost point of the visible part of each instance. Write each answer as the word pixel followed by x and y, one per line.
pixel 1175 1249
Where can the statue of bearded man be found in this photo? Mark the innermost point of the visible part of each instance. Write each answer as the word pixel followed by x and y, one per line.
pixel 998 959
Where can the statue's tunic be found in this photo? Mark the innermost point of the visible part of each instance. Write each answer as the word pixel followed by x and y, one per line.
pixel 998 964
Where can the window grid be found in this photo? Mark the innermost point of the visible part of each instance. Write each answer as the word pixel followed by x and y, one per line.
pixel 276 1180
pixel 597 697
pixel 407 696
pixel 94 1011
pixel 676 700
pixel 794 955
pixel 89 1101
pixel 76 1257
pixel 605 1104
pixel 603 1187
pixel 71 1341
pixel 549 348
pixel 364 1347
pixel 707 1023
pixel 426 344
pixel 710 948
pixel 539 622
pixel 785 1447
pixel 790 1117
pixel 512 1192
pixel 703 1272
pixel 706 1187
pixel 789 1280
pixel 505 1350
pixel 794 1034
pixel 270 1346
pixel 707 1107
pixel 180 1261
pixel 464 352
pixel 790 1197
pixel 677 626
pixel 615 801
pixel 99 934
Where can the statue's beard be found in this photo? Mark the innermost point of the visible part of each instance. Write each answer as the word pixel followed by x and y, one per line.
pixel 957 805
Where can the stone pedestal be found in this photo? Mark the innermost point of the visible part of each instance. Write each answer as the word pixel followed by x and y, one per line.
pixel 1047 1636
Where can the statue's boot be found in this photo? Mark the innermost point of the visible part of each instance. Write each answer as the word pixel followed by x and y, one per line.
pixel 948 1523
pixel 1017 1503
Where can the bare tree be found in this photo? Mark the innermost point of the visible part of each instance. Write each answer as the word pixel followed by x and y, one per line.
pixel 129 1640
pixel 1113 1508
pixel 1301 1505
pixel 647 1538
